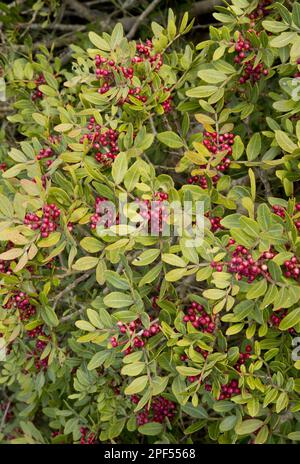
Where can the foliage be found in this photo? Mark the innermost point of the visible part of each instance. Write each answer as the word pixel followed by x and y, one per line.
pixel 112 337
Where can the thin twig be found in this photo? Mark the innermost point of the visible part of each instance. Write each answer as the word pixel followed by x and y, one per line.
pixel 264 178
pixel 141 18
pixel 70 287
pixel 4 416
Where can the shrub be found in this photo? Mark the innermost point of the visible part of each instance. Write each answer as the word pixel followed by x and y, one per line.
pixel 112 337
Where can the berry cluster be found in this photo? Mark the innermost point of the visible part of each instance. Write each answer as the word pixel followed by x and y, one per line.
pixel 243 265
pixel 87 437
pixel 145 52
pixel 5 267
pixel 227 390
pixel 243 48
pixel 154 213
pixel 199 318
pixel 112 74
pixel 154 302
pixel 136 334
pixel 277 317
pixel 292 268
pixel 160 409
pixel 281 212
pixel 46 153
pixel 103 215
pixel 56 433
pixel 3 167
pixel 47 223
pixel 184 358
pixel 44 180
pixel 243 357
pixel 167 104
pixel 215 222
pixel 37 93
pixel 216 143
pixel 55 139
pixel 202 181
pixel 41 342
pixel 104 141
pixel 260 11
pixel 20 301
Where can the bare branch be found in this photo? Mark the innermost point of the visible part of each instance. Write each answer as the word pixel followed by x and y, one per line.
pixel 141 18
pixel 82 10
pixel 70 287
pixel 206 6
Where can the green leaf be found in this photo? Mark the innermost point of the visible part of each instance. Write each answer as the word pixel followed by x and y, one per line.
pixel 151 429
pixel 202 91
pixel 238 148
pixel 250 227
pixel 204 274
pixel 175 274
pixel 91 244
pixel 98 359
pixel 212 76
pixel 133 369
pixel 186 371
pixel 254 147
pixel 85 325
pixel 248 426
pixel 94 318
pixel 290 320
pixel 295 436
pixel 85 263
pixel 274 26
pixel 63 127
pixel 296 14
pixel 6 207
pixel 11 254
pixel 243 309
pixel 147 257
pixel 264 216
pixel 47 90
pixel 282 402
pixel 49 316
pixel 151 275
pixel 227 424
pixel 116 35
pixel 195 427
pixel 99 42
pixel 214 294
pixel 282 40
pixel 170 139
pixel 119 168
pixel 40 119
pixel 257 289
pixel 137 385
pixel 285 142
pixel 198 412
pixel 115 280
pixel 118 300
pixel 50 241
pixel 234 329
pixel 173 260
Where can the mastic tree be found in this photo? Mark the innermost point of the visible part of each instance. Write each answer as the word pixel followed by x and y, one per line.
pixel 109 335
